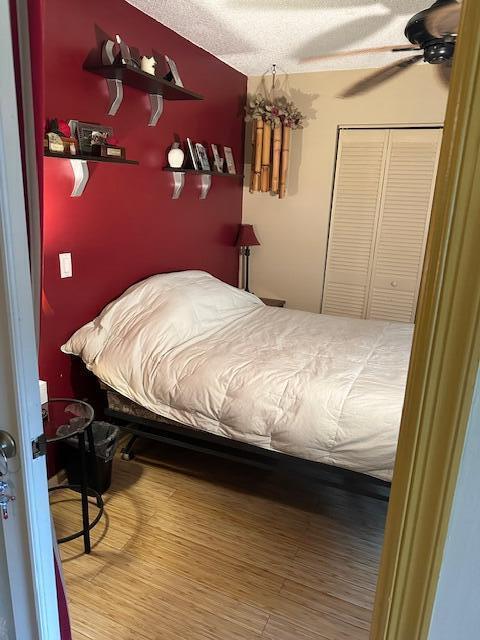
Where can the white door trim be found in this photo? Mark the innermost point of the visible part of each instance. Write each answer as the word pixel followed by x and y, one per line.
pixel 28 534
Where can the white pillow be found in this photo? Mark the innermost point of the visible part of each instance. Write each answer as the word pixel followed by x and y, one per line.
pixel 175 306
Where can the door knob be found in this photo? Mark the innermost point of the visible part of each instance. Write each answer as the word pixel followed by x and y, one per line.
pixel 394 283
pixel 7 445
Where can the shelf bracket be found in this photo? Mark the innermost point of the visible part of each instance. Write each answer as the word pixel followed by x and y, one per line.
pixel 80 175
pixel 206 183
pixel 115 93
pixel 156 106
pixel 178 184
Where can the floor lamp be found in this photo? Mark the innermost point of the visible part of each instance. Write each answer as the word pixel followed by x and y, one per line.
pixel 246 238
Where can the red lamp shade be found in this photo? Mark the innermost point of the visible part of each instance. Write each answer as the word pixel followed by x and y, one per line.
pixel 246 236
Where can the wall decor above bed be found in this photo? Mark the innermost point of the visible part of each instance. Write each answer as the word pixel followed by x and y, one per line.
pixel 273 118
pixel 198 163
pixel 81 142
pixel 119 66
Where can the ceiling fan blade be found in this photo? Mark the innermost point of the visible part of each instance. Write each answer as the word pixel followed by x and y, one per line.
pixel 376 78
pixel 358 52
pixel 444 20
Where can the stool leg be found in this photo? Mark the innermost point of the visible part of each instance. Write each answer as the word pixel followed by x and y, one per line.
pixel 84 491
pixel 93 460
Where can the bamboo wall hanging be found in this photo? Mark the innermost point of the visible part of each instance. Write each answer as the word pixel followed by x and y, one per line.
pixel 273 119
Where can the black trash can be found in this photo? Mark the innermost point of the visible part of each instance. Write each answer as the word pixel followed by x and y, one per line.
pixel 105 438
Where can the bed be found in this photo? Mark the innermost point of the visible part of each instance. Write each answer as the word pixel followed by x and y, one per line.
pixel 216 362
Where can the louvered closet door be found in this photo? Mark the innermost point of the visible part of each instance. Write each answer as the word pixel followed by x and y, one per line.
pixel 356 203
pixel 408 186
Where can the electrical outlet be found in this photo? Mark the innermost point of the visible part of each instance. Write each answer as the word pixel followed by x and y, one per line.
pixel 65 265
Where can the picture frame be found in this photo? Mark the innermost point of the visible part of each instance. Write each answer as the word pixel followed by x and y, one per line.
pixel 192 153
pixel 229 160
pixel 202 157
pixel 88 134
pixel 217 160
pixel 112 151
pixel 173 75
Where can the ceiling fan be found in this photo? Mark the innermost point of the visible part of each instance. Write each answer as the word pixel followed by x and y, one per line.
pixel 432 31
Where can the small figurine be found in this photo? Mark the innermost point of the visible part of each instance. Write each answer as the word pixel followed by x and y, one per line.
pixel 125 55
pixel 148 64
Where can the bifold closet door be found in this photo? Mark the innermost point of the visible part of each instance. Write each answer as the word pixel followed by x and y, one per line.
pixel 408 187
pixel 361 158
pixel 380 214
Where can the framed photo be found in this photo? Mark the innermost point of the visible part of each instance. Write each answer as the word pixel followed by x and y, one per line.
pixel 202 157
pixel 229 160
pixel 173 75
pixel 217 160
pixel 112 151
pixel 192 153
pixel 89 134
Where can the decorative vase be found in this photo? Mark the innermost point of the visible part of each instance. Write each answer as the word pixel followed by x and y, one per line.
pixel 176 156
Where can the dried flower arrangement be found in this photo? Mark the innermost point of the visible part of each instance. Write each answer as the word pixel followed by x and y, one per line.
pixel 277 116
pixel 277 111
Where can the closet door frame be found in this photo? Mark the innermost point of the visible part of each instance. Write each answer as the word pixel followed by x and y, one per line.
pixel 369 127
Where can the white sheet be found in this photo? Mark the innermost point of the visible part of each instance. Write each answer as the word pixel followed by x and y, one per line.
pixel 193 349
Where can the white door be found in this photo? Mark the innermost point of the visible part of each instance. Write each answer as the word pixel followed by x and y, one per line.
pixel 356 205
pixel 28 599
pixel 407 195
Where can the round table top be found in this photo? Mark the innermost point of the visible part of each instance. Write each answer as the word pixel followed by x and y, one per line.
pixel 66 417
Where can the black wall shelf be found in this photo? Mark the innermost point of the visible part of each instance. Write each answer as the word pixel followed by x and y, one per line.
pixel 88 158
pixel 79 166
pixel 156 87
pixel 200 172
pixel 206 179
pixel 143 81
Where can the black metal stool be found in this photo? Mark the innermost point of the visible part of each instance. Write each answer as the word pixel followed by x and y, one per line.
pixel 78 424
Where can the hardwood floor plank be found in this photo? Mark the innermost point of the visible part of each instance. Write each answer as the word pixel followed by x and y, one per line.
pixel 318 603
pixel 231 576
pixel 182 594
pixel 156 615
pixel 230 524
pixel 77 635
pixel 281 628
pixel 100 623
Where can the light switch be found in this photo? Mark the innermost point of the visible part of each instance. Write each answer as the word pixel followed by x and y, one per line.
pixel 65 265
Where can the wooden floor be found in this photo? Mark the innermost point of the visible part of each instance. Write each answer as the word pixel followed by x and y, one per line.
pixel 195 548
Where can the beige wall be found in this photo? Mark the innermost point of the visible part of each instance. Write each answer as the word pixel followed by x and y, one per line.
pixel 293 232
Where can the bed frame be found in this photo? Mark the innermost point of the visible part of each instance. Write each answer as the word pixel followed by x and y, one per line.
pixel 142 423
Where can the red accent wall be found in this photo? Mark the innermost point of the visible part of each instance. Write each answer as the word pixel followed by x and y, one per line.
pixel 125 226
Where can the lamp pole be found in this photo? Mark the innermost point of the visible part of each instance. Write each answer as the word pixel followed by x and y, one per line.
pixel 246 253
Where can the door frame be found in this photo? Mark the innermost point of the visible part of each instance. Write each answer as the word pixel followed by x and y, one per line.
pixel 445 358
pixel 28 532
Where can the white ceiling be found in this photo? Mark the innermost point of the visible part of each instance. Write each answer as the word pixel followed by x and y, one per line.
pixel 251 35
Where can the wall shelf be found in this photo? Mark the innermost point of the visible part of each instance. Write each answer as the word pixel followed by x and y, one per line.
pixel 79 166
pixel 205 176
pixel 157 88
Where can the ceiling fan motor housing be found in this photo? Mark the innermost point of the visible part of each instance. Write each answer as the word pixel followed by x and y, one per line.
pixel 436 50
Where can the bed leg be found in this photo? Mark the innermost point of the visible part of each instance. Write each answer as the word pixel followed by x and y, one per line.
pixel 127 451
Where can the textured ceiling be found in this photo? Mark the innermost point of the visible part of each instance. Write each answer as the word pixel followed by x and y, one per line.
pixel 251 35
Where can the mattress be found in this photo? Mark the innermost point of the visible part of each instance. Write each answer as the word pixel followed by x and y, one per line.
pixel 190 348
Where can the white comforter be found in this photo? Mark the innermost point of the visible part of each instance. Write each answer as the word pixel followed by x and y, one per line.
pixel 193 349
